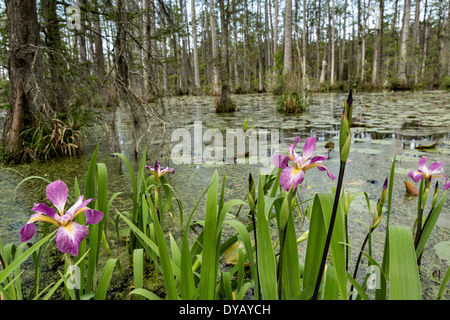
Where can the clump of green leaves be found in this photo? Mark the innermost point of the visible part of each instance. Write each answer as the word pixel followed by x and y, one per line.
pixel 292 102
pixel 55 135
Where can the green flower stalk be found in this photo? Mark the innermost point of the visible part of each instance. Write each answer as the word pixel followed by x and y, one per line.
pixel 378 214
pixel 344 150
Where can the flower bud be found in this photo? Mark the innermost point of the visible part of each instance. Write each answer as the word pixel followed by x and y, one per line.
pixel 345 134
pixel 436 194
pixel 251 192
pixel 379 208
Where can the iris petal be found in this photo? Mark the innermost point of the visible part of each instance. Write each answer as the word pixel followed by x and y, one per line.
pixel 157 166
pixel 318 159
pixel 78 207
pixel 69 237
pixel 57 193
pixel 330 175
pixel 29 229
pixel 291 176
pixel 436 167
pixel 309 147
pixel 292 147
pixel 27 232
pixel 422 163
pixel 166 170
pixel 416 175
pixel 280 160
pixel 44 209
pixel 93 216
pixel 447 185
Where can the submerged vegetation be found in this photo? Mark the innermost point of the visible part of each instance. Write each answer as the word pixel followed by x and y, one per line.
pixel 266 267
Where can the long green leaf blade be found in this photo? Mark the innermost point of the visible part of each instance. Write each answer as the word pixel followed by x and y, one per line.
pixel 266 257
pixel 208 278
pixel 404 275
pixel 105 279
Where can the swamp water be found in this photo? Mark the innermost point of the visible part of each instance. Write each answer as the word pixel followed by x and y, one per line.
pixel 386 124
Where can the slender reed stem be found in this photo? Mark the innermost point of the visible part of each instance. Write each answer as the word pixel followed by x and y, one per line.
pixel 419 258
pixel 330 229
pixel 359 260
pixel 280 265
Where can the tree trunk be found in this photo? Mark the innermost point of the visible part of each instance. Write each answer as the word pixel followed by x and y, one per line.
pixel 426 36
pixel 246 49
pixel 444 46
pixel 305 76
pixel 194 39
pixel 378 46
pixel 25 72
pixel 267 46
pixel 260 49
pixel 402 68
pixel 363 36
pixel 416 42
pixel 120 48
pixel 287 61
pixel 146 44
pixel 235 50
pixel 225 104
pixel 215 49
pixel 58 91
pixel 99 57
pixel 275 35
pixel 317 22
pixel 81 36
pixel 164 55
pixel 359 47
pixel 332 76
pixel 342 47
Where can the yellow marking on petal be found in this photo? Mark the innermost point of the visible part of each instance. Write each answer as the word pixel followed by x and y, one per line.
pixel 45 219
pixel 68 227
pixel 312 165
pixel 79 211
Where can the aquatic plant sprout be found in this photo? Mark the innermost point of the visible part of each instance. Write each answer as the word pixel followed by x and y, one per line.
pixel 293 176
pixel 70 233
pixel 425 173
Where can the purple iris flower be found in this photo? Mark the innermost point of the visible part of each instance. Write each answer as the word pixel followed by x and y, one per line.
pixel 70 233
pixel 429 173
pixel 293 176
pixel 158 171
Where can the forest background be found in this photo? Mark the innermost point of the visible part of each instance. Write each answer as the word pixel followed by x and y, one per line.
pixel 62 62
